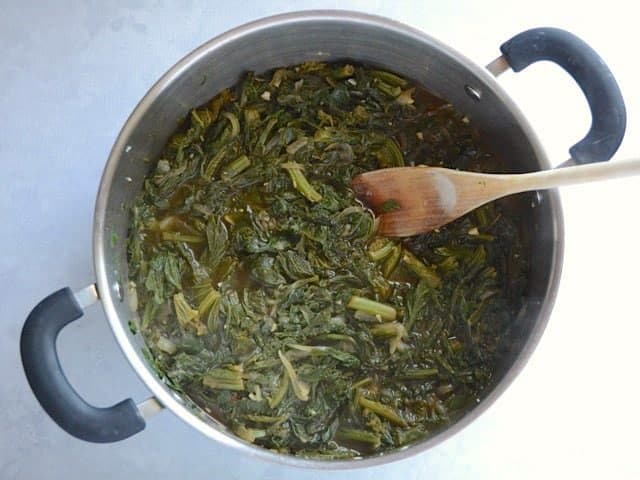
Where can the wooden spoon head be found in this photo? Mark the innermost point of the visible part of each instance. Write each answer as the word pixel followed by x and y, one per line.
pixel 408 200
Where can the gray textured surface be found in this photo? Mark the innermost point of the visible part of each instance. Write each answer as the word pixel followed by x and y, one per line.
pixel 70 74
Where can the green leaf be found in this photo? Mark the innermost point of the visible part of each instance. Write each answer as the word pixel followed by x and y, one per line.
pixel 217 241
pixel 267 298
pixel 389 205
pixel 263 270
pixel 187 316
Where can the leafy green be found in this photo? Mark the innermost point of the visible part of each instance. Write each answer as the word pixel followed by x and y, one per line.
pixel 187 317
pixel 265 295
pixel 389 205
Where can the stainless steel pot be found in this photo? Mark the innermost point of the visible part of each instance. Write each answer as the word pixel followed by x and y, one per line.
pixel 291 39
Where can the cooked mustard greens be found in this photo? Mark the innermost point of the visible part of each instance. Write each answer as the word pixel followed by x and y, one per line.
pixel 264 293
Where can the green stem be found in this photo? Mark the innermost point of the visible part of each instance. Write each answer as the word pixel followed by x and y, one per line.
pixel 236 167
pixel 388 89
pixel 414 264
pixel 182 237
pixel 382 410
pixel 389 78
pixel 235 123
pixel 267 130
pixel 300 388
pixel 361 383
pixel 267 418
pixel 372 307
pixel 363 437
pixel 387 330
pixel 419 373
pixel 223 379
pixel 392 260
pixel 300 182
pixel 209 169
pixel 280 393
pixel 379 249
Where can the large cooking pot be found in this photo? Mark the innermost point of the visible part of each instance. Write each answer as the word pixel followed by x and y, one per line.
pixel 291 39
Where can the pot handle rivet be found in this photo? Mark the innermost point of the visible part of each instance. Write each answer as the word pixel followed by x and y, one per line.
pixel 474 93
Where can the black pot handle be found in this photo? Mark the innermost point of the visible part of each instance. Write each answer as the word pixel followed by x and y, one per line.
pixel 51 387
pixel 608 113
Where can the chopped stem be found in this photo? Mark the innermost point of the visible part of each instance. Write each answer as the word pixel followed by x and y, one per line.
pixel 209 169
pixel 391 261
pixel 386 312
pixel 280 393
pixel 300 388
pixel 267 418
pixel 235 123
pixel 365 437
pixel 310 349
pixel 336 337
pixel 361 383
pixel 182 237
pixel 236 167
pixel 293 147
pixel 388 89
pixel 300 182
pixel 419 373
pixel 380 249
pixel 267 130
pixel 224 379
pixel 389 78
pixel 387 330
pixel 382 410
pixel 414 264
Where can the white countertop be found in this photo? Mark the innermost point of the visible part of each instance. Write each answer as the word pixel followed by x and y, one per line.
pixel 70 74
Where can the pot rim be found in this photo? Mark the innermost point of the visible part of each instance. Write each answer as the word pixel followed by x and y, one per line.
pixel 109 293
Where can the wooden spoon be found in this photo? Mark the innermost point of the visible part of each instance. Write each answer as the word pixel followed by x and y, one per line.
pixel 412 200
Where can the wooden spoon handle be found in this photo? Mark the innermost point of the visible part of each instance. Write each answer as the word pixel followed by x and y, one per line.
pixel 573 175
